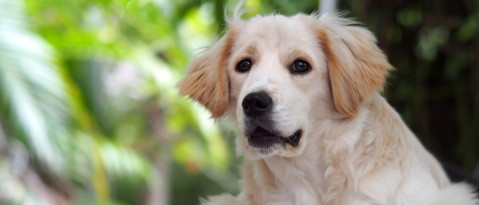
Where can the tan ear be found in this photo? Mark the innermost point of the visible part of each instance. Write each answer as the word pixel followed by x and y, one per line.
pixel 206 80
pixel 357 67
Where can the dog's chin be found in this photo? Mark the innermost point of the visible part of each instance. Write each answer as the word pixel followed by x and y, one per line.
pixel 262 144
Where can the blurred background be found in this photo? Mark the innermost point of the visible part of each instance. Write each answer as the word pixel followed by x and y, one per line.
pixel 89 111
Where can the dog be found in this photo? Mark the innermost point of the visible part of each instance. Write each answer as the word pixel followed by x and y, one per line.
pixel 304 93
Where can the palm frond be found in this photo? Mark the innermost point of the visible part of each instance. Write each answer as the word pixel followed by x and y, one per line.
pixel 31 89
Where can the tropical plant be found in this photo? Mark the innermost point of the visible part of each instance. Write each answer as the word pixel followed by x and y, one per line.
pixel 93 110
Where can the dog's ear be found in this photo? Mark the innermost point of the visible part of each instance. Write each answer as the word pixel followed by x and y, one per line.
pixel 356 66
pixel 206 80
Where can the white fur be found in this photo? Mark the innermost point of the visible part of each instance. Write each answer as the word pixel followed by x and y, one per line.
pixel 454 194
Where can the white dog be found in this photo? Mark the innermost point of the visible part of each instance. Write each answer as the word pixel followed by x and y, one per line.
pixel 303 92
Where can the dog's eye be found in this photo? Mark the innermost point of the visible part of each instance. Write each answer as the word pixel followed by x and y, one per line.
pixel 300 67
pixel 244 66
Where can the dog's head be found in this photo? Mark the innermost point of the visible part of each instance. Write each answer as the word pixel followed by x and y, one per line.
pixel 278 76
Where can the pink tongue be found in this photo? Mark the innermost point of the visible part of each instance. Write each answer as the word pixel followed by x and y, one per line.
pixel 259 132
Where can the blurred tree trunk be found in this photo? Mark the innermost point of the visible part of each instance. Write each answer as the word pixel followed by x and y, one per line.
pixel 327 6
pixel 159 195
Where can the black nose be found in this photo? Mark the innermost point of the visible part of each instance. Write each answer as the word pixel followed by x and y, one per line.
pixel 256 104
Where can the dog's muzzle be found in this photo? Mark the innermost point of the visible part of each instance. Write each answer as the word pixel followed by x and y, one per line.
pixel 260 129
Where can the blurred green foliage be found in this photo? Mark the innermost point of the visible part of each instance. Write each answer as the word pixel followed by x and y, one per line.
pixel 89 104
pixel 89 111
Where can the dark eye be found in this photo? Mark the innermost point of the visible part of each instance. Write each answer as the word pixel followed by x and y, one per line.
pixel 244 66
pixel 300 67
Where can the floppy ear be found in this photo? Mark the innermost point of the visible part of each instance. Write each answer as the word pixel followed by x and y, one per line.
pixel 357 67
pixel 206 80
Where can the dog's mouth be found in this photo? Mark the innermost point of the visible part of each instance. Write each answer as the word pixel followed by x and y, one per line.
pixel 262 138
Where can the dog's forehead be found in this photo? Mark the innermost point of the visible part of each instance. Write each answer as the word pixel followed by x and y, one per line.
pixel 275 29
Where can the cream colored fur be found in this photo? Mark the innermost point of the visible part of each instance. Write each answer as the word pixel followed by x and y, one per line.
pixel 355 148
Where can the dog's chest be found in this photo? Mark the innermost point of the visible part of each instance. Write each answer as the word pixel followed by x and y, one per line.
pixel 296 184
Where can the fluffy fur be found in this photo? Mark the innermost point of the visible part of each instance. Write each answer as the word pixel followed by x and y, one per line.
pixel 355 149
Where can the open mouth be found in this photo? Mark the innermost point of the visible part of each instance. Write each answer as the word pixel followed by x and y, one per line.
pixel 262 138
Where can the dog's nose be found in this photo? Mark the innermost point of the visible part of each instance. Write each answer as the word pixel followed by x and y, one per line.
pixel 256 104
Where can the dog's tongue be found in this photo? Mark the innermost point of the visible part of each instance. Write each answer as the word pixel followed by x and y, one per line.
pixel 260 132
